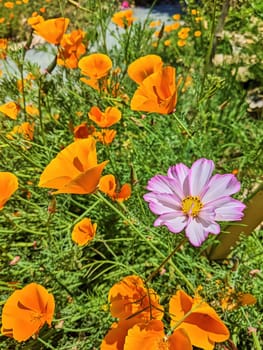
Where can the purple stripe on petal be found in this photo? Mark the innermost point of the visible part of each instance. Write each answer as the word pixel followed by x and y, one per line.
pixel 231 211
pixel 199 175
pixel 220 186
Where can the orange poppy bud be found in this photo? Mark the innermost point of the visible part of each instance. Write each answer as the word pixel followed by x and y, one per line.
pixel 83 131
pixel 26 311
pixel 8 185
pixel 83 232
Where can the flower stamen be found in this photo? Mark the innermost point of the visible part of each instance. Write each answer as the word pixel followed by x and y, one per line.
pixel 191 205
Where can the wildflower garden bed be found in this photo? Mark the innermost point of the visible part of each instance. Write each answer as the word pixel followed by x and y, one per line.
pixel 131 177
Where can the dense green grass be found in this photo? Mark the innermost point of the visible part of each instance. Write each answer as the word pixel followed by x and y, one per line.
pixel 212 120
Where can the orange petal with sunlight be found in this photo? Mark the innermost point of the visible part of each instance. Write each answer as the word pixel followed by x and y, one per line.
pixel 157 93
pixel 11 109
pixel 144 66
pixel 8 185
pixel 52 30
pixel 105 119
pixel 26 311
pixel 75 169
pixel 203 325
pixel 84 231
pixel 95 66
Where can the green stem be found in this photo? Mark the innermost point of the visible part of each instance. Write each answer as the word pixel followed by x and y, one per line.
pixel 155 272
pixel 181 124
pixel 209 51
pixel 47 345
pixel 141 235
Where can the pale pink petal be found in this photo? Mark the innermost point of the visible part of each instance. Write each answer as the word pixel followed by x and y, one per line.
pixel 207 213
pixel 158 208
pixel 175 221
pixel 179 172
pixel 196 233
pixel 220 186
pixel 199 175
pixel 160 184
pixel 166 199
pixel 230 211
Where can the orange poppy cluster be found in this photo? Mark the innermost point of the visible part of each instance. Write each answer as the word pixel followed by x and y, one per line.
pixel 83 232
pixel 75 169
pixel 157 90
pixel 123 19
pixel 193 321
pixel 26 311
pixel 71 47
pixel 26 130
pixel 8 185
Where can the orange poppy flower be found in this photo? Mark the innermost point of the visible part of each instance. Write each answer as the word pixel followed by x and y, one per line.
pixel 151 336
pixel 26 311
pixel 3 48
pixel 83 232
pixel 123 18
pixel 71 48
pixel 106 136
pixel 108 186
pixel 143 67
pixel 35 19
pixel 157 93
pixel 11 109
pixel 26 130
pixel 75 169
pixel 32 110
pixel 52 30
pixel 8 185
pixel 129 298
pixel 203 325
pixel 105 119
pixel 82 131
pixel 115 338
pixel 9 4
pixel 95 66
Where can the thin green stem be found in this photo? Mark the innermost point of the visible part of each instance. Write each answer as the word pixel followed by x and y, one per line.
pixel 181 125
pixel 47 345
pixel 141 235
pixel 155 272
pixel 209 51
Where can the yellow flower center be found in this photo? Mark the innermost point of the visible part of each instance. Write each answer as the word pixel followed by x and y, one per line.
pixel 191 205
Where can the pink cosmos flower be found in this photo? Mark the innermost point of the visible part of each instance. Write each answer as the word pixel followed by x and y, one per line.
pixel 191 199
pixel 125 5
